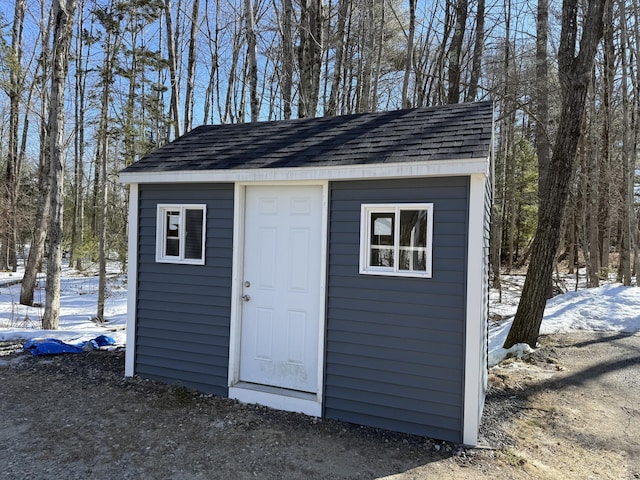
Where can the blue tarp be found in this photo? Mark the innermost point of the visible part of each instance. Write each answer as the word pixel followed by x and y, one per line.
pixel 53 346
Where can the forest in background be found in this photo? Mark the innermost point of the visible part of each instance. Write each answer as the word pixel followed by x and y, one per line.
pixel 142 72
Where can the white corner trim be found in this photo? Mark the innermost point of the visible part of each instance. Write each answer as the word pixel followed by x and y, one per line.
pixel 473 327
pixel 324 248
pixel 427 168
pixel 236 277
pixel 132 282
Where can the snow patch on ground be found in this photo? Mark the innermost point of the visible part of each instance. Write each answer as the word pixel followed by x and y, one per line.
pixel 78 304
pixel 611 308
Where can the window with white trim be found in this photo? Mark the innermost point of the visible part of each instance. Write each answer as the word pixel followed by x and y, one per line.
pixel 180 234
pixel 396 239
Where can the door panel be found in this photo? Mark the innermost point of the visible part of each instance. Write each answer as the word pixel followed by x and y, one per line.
pixel 281 287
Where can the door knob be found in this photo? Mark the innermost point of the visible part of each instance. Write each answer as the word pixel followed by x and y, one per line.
pixel 245 298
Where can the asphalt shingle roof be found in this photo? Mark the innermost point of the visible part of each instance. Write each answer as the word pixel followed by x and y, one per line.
pixel 450 132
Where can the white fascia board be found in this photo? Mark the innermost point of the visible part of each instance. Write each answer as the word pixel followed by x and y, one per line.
pixel 430 168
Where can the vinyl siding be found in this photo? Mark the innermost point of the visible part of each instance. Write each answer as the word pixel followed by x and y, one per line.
pixel 183 311
pixel 395 345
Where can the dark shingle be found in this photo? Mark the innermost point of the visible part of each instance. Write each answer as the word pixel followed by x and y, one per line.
pixel 423 134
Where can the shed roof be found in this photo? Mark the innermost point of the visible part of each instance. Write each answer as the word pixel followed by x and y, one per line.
pixel 450 132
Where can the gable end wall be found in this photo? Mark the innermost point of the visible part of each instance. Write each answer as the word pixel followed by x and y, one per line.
pixel 395 345
pixel 183 311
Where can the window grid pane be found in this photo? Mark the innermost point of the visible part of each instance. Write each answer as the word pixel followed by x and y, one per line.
pixel 172 244
pixel 413 240
pixel 382 239
pixel 193 233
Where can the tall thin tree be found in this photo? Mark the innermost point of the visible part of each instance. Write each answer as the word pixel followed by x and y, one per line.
pixel 63 14
pixel 575 76
pixel 252 59
pixel 406 101
pixel 8 257
pixel 191 68
pixel 455 51
pixel 478 48
pixel 41 226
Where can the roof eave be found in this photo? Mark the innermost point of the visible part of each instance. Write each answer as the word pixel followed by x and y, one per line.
pixel 430 168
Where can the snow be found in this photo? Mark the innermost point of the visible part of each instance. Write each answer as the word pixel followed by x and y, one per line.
pixel 612 308
pixel 78 303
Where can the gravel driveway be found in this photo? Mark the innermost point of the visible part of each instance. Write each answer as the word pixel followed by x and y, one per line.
pixel 570 411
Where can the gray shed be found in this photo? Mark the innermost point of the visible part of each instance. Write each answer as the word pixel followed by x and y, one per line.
pixel 333 266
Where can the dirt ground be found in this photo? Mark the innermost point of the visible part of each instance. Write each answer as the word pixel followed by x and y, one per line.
pixel 570 410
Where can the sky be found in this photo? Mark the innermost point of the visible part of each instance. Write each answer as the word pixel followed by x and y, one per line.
pixel 612 308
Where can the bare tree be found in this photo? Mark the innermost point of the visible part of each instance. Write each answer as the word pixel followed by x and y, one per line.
pixel 541 92
pixel 604 180
pixel 287 57
pixel 14 89
pixel 478 48
pixel 81 61
pixel 406 102
pixel 191 68
pixel 63 14
pixel 41 227
pixel 102 153
pixel 173 68
pixel 455 51
pixel 628 159
pixel 252 59
pixel 575 75
pixel 310 56
pixel 334 96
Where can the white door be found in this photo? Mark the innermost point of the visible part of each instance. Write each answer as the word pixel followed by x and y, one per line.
pixel 281 287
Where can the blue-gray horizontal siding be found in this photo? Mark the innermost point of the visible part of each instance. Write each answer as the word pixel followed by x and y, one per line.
pixel 183 311
pixel 395 345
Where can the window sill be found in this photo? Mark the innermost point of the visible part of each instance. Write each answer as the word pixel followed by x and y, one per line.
pixel 391 273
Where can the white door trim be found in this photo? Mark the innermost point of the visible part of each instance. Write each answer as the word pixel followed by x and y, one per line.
pixel 282 399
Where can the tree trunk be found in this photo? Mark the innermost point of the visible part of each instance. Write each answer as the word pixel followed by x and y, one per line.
pixel 575 75
pixel 336 81
pixel 310 57
pixel 252 60
pixel 77 231
pixel 455 51
pixel 36 251
pixel 476 66
pixel 8 258
pixel 626 185
pixel 604 180
pixel 173 69
pixel 63 13
pixel 378 68
pixel 102 155
pixel 590 206
pixel 102 230
pixel 191 68
pixel 541 92
pixel 287 58
pixel 406 102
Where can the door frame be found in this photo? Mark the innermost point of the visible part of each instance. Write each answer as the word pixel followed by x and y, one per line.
pixel 275 397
